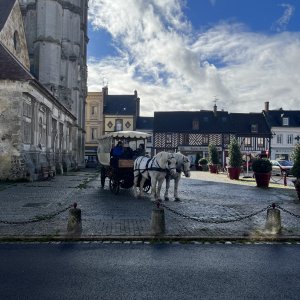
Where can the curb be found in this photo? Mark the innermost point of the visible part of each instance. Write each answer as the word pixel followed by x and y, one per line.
pixel 151 239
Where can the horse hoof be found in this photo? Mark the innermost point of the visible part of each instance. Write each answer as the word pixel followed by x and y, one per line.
pixel 167 199
pixel 177 200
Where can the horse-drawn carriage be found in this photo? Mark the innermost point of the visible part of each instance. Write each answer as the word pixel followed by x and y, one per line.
pixel 119 170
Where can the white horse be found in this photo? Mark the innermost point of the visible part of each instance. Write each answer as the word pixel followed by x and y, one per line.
pixel 183 164
pixel 155 169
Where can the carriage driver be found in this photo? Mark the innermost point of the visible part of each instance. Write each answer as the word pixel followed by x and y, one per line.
pixel 115 153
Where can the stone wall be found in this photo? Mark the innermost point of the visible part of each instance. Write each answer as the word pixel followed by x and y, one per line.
pixel 36 134
pixel 56 33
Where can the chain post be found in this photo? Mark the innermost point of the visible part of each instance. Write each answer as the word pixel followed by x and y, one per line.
pixel 284 179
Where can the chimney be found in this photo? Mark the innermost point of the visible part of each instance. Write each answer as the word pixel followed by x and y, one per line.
pixel 266 106
pixel 105 90
pixel 104 94
pixel 215 110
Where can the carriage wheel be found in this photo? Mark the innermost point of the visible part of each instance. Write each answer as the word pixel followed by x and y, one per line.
pixel 114 185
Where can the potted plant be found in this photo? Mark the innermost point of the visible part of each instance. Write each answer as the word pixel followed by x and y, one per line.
pixel 235 159
pixel 203 164
pixel 213 158
pixel 296 168
pixel 262 168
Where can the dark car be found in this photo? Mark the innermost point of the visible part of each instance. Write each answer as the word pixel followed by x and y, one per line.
pixel 281 167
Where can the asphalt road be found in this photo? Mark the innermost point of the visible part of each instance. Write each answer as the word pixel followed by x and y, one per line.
pixel 145 271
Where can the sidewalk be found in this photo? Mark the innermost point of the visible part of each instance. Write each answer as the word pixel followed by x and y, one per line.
pixel 207 197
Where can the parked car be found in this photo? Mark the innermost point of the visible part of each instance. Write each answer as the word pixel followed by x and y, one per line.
pixel 280 167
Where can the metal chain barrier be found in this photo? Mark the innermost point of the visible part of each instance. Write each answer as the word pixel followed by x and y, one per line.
pixel 220 221
pixel 276 180
pixel 286 211
pixel 37 218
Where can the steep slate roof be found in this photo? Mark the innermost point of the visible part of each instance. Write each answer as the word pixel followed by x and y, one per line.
pixel 5 9
pixel 120 105
pixel 11 68
pixel 274 117
pixel 223 122
pixel 145 123
pixel 241 123
pixel 181 121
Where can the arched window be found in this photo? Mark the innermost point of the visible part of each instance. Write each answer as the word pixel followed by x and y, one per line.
pixel 17 42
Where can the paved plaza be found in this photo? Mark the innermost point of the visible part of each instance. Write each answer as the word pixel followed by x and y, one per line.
pixel 211 207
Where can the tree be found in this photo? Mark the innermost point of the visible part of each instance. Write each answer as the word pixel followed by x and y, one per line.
pixel 235 155
pixel 213 155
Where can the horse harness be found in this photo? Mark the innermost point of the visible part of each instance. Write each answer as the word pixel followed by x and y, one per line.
pixel 154 165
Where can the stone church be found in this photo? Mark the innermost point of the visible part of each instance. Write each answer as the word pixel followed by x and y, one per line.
pixel 43 87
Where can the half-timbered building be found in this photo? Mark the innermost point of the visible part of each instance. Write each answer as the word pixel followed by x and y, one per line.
pixel 192 131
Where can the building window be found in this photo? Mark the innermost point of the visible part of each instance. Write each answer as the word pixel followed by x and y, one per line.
pixel 54 134
pixel 195 125
pixel 205 139
pixel 149 139
pixel 61 135
pixel 254 128
pixel 186 139
pixel 94 134
pixel 226 139
pixel 279 138
pixel 27 122
pixel 290 139
pixel 94 111
pixel 247 142
pixel 42 128
pixel 17 42
pixel 285 121
pixel 169 139
pixel 119 124
pixel 260 142
pixel 27 109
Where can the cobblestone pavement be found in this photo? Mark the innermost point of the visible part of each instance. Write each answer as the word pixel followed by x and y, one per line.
pixel 215 201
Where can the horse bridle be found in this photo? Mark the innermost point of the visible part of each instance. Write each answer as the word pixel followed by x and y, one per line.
pixel 172 156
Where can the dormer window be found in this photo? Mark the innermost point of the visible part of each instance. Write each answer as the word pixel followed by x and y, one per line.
pixel 195 124
pixel 285 121
pixel 254 128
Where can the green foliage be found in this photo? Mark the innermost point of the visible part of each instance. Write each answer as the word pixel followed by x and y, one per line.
pixel 296 158
pixel 235 155
pixel 213 155
pixel 261 165
pixel 203 161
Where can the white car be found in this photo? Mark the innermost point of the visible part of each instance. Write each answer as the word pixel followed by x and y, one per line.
pixel 281 167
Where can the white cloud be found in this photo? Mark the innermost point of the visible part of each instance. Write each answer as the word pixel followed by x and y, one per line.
pixel 173 68
pixel 282 22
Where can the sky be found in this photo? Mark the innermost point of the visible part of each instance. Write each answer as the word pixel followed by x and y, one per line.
pixel 188 55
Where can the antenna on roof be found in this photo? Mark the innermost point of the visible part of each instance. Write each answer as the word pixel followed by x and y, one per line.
pixel 215 100
pixel 215 106
pixel 104 82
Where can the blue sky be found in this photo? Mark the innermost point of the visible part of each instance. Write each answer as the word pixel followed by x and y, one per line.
pixel 181 55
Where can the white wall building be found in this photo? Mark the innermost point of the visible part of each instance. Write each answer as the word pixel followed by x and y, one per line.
pixel 285 127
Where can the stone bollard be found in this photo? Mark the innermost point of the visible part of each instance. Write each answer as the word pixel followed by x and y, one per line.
pixel 158 220
pixel 74 221
pixel 273 223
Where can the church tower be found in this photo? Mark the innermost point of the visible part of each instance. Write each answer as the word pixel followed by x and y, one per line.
pixel 56 34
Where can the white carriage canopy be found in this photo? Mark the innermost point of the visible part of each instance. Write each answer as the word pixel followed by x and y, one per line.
pixel 108 140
